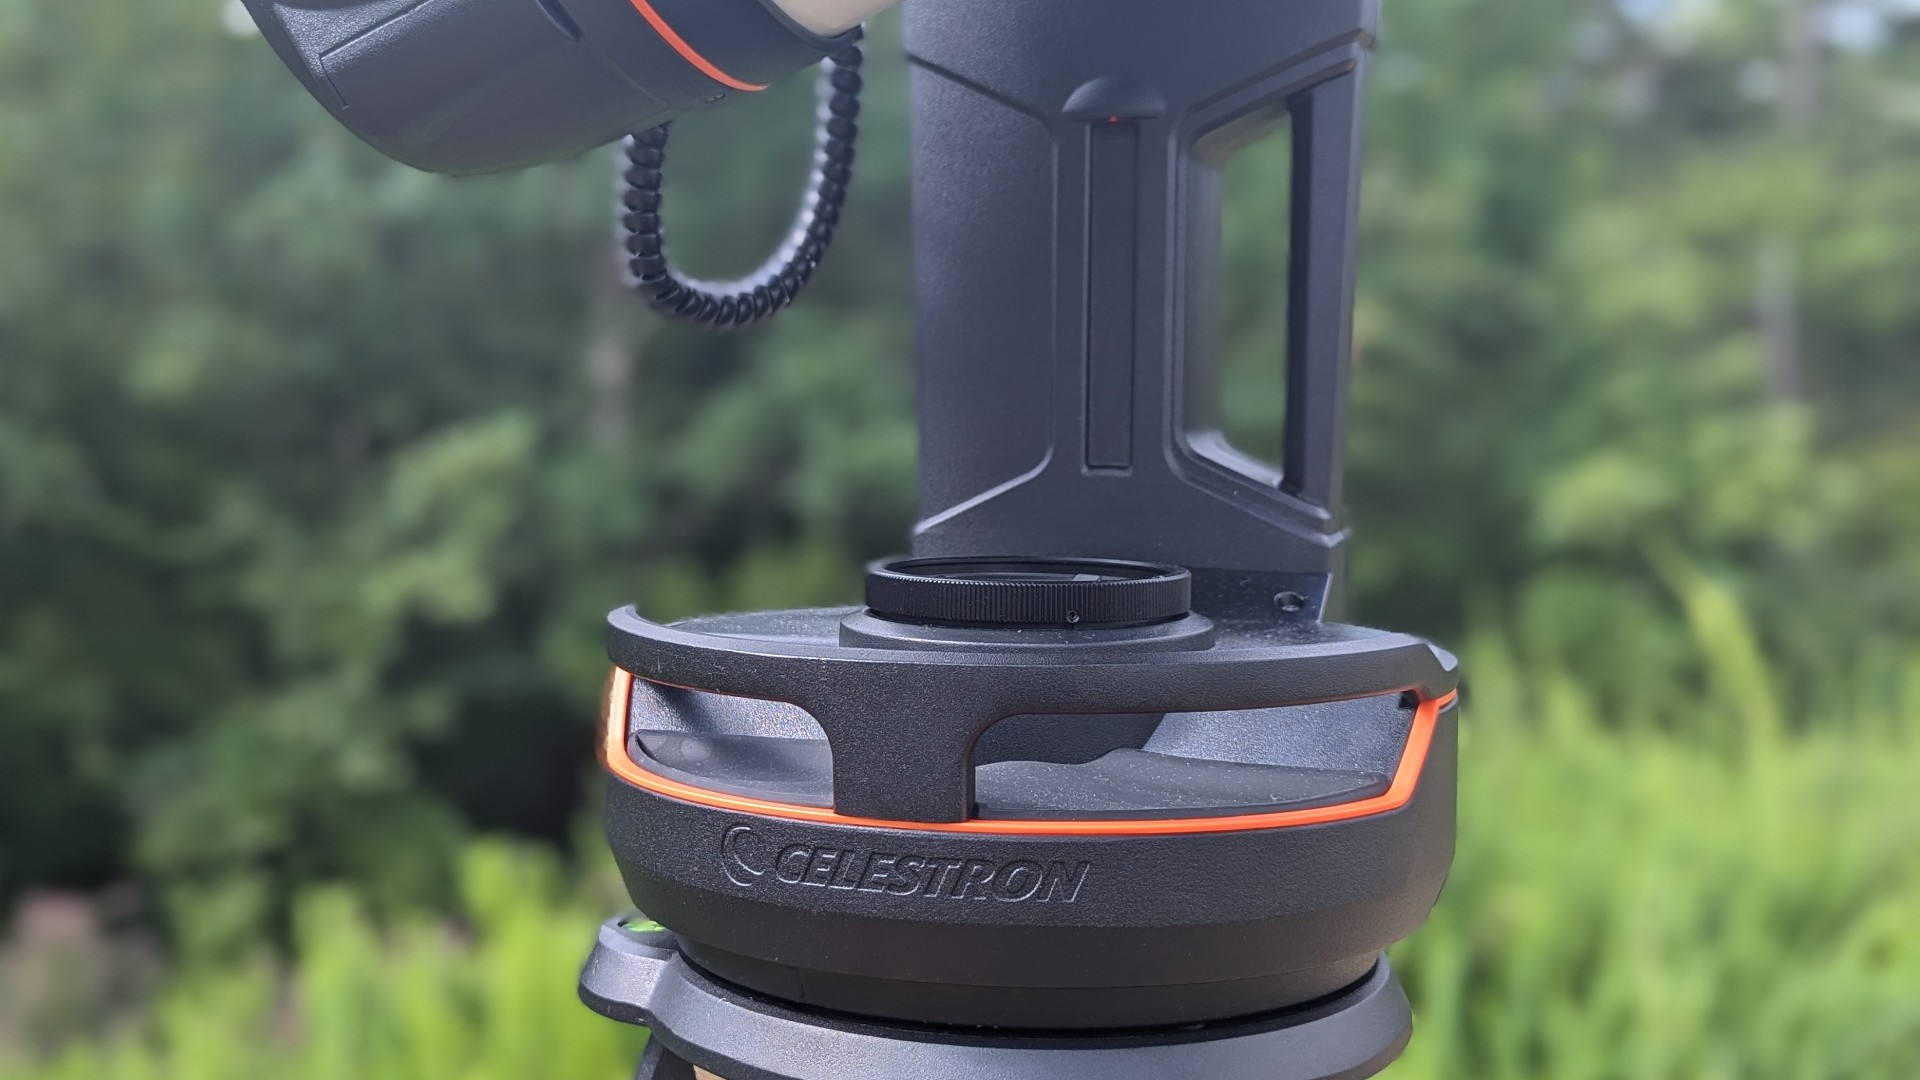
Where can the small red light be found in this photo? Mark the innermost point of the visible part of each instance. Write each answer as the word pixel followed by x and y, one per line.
pixel 1113 119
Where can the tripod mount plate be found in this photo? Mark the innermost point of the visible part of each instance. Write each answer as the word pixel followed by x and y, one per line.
pixel 1273 807
pixel 1028 593
pixel 640 976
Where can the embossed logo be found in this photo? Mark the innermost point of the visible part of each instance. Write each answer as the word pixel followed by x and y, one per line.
pixel 742 856
pixel 748 859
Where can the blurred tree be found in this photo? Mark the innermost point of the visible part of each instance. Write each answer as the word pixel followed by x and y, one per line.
pixel 1563 364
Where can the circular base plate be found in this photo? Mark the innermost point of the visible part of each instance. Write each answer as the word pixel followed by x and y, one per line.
pixel 640 977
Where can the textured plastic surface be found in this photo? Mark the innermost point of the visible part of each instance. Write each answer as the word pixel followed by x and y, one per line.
pixel 697 1020
pixel 1037 931
pixel 902 723
pixel 1020 592
pixel 1064 227
pixel 1067 158
pixel 1059 931
pixel 467 86
pixel 1124 765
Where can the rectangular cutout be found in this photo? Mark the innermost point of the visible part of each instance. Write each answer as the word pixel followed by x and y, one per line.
pixel 1112 194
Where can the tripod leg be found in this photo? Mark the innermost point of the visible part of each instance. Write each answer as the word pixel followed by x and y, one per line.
pixel 659 1063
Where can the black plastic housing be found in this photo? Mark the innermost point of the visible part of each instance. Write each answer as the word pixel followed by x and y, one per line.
pixel 882 829
pixel 638 975
pixel 900 918
pixel 1067 221
pixel 1144 931
pixel 474 86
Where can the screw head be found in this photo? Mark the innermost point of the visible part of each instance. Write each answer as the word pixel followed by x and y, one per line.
pixel 1289 602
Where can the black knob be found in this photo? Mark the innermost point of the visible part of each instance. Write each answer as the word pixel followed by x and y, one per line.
pixel 1025 592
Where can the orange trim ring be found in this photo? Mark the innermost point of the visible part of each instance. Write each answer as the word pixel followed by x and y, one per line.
pixel 688 52
pixel 1406 778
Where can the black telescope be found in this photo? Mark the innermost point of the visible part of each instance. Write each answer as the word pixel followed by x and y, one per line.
pixel 1095 782
pixel 473 86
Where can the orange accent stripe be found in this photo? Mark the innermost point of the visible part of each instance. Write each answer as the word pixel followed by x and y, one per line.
pixel 691 55
pixel 1406 778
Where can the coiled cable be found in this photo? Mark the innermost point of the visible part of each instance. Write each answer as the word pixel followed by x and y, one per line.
pixel 731 304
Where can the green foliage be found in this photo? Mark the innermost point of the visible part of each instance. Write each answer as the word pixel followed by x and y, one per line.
pixel 1561 367
pixel 1627 903
pixel 318 475
pixel 489 998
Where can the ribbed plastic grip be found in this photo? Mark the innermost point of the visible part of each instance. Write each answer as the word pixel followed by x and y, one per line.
pixel 1028 592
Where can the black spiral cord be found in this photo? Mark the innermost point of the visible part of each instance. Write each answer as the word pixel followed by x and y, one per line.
pixel 731 304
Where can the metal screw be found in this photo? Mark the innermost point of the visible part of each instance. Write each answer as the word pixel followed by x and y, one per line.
pixel 1073 617
pixel 1289 602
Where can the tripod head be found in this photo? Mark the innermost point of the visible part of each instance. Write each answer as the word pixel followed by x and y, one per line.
pixel 1095 783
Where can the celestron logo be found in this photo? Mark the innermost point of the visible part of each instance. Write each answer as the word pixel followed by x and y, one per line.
pixel 749 859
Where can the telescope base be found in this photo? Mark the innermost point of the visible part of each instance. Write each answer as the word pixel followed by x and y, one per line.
pixel 639 976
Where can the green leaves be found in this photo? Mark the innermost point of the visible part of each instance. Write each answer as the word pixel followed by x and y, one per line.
pixel 490 999
pixel 1631 902
pixel 427 543
pixel 1573 316
pixel 318 475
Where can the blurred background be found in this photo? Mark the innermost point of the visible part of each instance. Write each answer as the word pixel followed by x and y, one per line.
pixel 317 476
